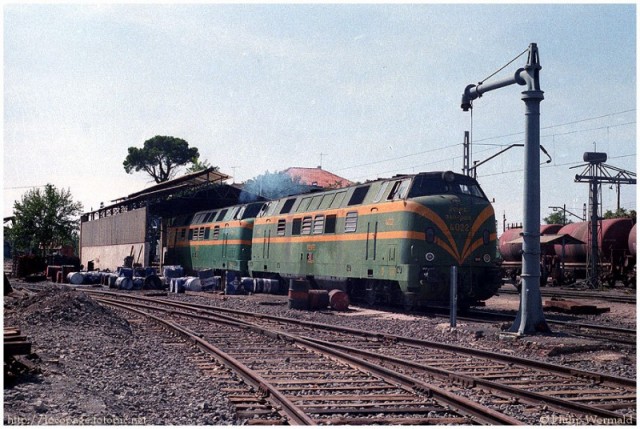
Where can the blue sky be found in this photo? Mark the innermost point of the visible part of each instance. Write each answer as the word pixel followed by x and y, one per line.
pixel 374 88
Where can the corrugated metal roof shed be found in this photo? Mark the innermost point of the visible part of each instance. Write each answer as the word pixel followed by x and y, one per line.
pixel 192 192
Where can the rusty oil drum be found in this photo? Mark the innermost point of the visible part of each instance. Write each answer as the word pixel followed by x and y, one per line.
pixel 339 300
pixel 318 299
pixel 298 294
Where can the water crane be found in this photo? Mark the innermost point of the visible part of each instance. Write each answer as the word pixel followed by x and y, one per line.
pixel 530 318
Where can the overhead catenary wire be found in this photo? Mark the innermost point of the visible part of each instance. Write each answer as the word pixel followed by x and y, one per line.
pixel 449 159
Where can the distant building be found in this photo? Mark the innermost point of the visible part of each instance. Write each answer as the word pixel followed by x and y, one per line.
pixel 317 177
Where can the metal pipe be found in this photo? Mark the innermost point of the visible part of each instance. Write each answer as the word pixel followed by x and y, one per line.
pixel 471 92
pixel 453 299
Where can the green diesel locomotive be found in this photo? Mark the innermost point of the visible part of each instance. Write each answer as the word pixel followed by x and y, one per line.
pixel 392 240
pixel 213 239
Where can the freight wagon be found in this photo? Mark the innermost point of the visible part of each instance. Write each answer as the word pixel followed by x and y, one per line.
pixel 567 262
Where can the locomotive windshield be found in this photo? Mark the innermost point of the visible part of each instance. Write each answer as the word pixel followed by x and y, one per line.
pixel 444 183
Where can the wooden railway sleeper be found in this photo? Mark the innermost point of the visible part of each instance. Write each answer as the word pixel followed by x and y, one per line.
pixel 462 381
pixel 279 401
pixel 494 387
pixel 595 378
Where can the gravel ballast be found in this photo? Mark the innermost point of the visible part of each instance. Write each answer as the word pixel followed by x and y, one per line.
pixel 99 368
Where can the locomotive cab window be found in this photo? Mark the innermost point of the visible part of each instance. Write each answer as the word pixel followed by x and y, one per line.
pixel 399 189
pixel 286 207
pixel 435 184
pixel 221 215
pixel 470 190
pixel 358 195
pixel 251 210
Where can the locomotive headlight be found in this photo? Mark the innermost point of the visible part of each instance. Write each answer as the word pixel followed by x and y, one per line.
pixel 430 257
pixel 486 258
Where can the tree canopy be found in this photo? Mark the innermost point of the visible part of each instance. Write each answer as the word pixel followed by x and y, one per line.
pixel 621 212
pixel 160 156
pixel 197 165
pixel 44 219
pixel 557 218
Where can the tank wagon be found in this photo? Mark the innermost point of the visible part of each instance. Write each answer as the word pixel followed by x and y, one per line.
pixel 511 253
pixel 614 250
pixel 391 240
pixel 616 246
pixel 630 261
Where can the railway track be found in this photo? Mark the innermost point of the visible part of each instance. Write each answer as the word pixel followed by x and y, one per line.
pixel 577 294
pixel 511 385
pixel 307 383
pixel 611 334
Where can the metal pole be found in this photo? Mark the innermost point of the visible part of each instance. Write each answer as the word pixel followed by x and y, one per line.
pixel 453 299
pixel 531 317
pixel 466 155
pixel 593 260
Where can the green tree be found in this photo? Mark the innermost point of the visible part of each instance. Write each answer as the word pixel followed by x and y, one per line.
pixel 44 219
pixel 160 156
pixel 197 165
pixel 557 218
pixel 621 212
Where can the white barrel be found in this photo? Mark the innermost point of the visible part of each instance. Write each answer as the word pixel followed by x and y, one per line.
pixel 138 283
pixel 193 284
pixel 75 278
pixel 177 285
pixel 124 283
pixel 112 280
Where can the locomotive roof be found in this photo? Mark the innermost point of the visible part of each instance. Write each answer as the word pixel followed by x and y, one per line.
pixel 380 190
